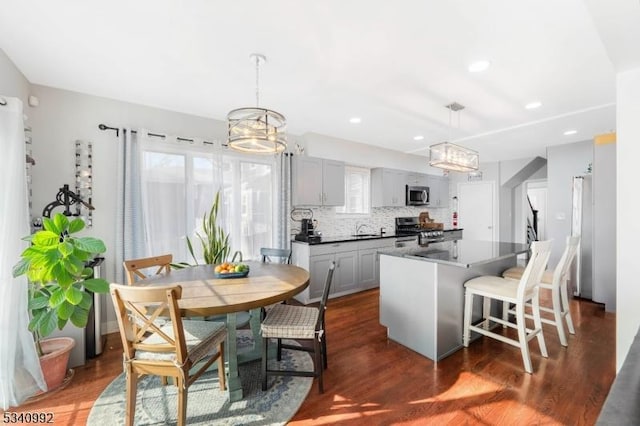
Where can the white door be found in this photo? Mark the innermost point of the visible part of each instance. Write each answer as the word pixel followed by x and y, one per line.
pixel 476 211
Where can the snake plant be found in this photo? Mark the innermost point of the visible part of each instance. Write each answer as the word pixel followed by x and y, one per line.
pixel 215 241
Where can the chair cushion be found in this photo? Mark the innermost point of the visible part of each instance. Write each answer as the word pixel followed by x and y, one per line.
pixel 292 322
pixel 498 286
pixel 516 272
pixel 202 339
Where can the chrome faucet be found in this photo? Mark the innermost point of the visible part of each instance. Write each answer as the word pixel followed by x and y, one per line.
pixel 359 227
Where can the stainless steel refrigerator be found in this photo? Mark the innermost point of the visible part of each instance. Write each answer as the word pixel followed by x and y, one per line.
pixel 582 225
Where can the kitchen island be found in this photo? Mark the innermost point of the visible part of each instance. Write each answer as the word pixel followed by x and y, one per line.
pixel 422 291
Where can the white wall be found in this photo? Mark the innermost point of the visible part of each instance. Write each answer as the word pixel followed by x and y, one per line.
pixel 63 117
pixel 628 232
pixel 12 82
pixel 604 231
pixel 317 145
pixel 563 163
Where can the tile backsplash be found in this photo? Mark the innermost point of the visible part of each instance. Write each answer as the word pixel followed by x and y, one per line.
pixel 335 224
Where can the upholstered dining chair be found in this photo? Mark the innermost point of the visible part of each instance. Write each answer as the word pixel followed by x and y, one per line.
pixel 275 254
pixel 556 281
pixel 171 350
pixel 300 323
pixel 514 292
pixel 136 268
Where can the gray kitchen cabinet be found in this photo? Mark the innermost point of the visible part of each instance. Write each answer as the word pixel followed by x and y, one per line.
pixel 357 266
pixel 332 183
pixel 438 191
pixel 417 179
pixel 345 277
pixel 388 187
pixel 318 267
pixel 368 268
pixel 369 261
pixel 316 259
pixel 317 182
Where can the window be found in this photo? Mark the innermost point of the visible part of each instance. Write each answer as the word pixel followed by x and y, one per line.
pixel 356 190
pixel 178 188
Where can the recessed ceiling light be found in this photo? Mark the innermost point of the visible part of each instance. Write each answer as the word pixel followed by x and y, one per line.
pixel 355 120
pixel 418 138
pixel 570 132
pixel 533 105
pixel 479 66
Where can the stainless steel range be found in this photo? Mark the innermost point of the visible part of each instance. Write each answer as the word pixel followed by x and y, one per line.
pixel 406 226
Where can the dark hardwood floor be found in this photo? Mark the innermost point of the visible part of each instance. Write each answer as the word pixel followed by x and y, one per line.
pixel 374 381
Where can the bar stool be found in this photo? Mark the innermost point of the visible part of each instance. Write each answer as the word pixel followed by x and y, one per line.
pixel 510 291
pixel 556 281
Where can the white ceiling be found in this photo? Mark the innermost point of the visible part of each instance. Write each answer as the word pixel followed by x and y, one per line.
pixel 394 64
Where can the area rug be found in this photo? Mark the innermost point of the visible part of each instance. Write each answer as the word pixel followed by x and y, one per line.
pixel 206 405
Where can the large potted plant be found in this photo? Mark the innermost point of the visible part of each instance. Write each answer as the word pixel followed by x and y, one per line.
pixel 60 283
pixel 215 242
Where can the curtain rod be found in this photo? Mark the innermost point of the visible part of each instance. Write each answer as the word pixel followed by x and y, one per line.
pixel 157 135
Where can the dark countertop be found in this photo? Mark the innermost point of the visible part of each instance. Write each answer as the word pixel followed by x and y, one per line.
pixel 327 239
pixel 461 253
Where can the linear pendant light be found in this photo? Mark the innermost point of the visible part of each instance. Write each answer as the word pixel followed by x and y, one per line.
pixel 254 129
pixel 449 156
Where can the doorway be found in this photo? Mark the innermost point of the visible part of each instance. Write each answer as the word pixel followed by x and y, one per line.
pixel 477 210
pixel 535 196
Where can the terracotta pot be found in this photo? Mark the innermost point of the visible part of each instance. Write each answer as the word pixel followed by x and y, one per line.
pixel 55 359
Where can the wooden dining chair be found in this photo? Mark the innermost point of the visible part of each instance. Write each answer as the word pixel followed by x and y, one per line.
pixel 300 323
pixel 275 254
pixel 513 292
pixel 556 281
pixel 136 268
pixel 171 350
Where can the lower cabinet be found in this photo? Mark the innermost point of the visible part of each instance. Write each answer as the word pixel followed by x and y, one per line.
pixel 357 266
pixel 345 277
pixel 368 268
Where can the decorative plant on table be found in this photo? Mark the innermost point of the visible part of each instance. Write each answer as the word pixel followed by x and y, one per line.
pixel 55 265
pixel 215 242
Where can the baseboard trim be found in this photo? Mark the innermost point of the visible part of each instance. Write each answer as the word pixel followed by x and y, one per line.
pixel 110 327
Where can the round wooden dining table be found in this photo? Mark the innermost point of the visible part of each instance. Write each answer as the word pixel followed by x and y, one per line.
pixel 204 294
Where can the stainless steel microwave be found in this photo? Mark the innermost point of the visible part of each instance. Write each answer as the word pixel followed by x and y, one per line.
pixel 417 195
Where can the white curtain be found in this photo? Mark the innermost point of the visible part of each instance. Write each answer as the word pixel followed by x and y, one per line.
pixel 283 197
pixel 20 374
pixel 179 180
pixel 129 241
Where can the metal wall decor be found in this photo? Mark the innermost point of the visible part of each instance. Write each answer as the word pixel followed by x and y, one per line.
pixel 84 179
pixel 30 162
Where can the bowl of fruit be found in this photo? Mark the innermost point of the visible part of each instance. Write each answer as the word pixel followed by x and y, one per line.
pixel 231 270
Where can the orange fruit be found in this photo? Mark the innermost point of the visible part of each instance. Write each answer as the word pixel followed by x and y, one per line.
pixel 218 268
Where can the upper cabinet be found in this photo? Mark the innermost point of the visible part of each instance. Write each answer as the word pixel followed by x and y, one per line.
pixel 438 191
pixel 317 182
pixel 388 187
pixel 417 179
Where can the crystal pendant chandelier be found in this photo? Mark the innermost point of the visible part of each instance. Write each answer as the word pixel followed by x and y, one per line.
pixel 255 129
pixel 449 156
